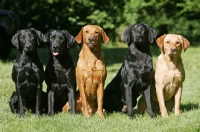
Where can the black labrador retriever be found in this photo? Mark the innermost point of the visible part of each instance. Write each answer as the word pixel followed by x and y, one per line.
pixel 60 71
pixel 28 73
pixel 134 76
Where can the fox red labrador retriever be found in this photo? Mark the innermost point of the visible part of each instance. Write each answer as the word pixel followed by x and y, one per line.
pixel 91 70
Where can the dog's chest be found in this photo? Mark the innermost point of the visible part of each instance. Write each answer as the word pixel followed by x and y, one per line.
pixel 61 75
pixel 94 76
pixel 172 81
pixel 28 76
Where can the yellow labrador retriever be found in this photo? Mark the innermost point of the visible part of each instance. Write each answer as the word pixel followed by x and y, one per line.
pixel 169 75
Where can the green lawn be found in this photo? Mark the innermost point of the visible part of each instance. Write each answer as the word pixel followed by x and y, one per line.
pixel 187 121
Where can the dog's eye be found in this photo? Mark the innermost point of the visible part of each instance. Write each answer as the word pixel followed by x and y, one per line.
pixel 96 32
pixel 31 36
pixel 21 38
pixel 133 30
pixel 52 38
pixel 177 43
pixel 86 31
pixel 167 42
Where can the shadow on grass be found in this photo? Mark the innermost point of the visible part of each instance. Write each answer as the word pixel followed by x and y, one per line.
pixel 190 106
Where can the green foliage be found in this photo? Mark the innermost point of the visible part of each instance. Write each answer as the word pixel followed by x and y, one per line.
pixel 70 15
pixel 180 16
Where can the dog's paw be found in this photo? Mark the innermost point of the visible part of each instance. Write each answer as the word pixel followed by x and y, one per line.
pixel 66 108
pixel 100 113
pixel 86 114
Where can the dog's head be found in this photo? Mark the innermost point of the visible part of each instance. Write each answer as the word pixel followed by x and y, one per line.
pixel 27 40
pixel 60 41
pixel 172 44
pixel 140 34
pixel 92 36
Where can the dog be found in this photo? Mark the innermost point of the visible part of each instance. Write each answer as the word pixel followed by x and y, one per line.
pixel 60 71
pixel 91 70
pixel 27 73
pixel 169 76
pixel 134 76
pixel 78 108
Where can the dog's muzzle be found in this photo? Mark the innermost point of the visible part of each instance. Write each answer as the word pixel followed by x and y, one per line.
pixel 91 41
pixel 172 50
pixel 28 47
pixel 138 38
pixel 55 50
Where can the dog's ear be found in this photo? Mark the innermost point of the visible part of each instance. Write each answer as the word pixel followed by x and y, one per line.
pixel 70 38
pixel 15 40
pixel 39 35
pixel 186 43
pixel 160 42
pixel 79 37
pixel 47 36
pixel 126 34
pixel 151 33
pixel 104 36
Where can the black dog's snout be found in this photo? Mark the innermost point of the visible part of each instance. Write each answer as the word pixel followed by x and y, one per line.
pixel 28 45
pixel 55 46
pixel 138 35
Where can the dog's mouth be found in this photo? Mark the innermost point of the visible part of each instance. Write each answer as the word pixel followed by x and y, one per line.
pixel 55 53
pixel 55 50
pixel 90 44
pixel 171 54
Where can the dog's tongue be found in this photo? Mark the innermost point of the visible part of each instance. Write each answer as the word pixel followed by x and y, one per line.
pixel 55 53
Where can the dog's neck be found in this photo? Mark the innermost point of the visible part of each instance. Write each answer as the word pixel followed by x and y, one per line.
pixel 145 47
pixel 91 55
pixel 132 46
pixel 58 60
pixel 28 59
pixel 174 61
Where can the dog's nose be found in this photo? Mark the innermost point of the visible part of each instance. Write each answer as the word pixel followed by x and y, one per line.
pixel 172 49
pixel 91 39
pixel 55 46
pixel 28 45
pixel 138 35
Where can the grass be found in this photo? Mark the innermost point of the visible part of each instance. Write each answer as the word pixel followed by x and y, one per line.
pixel 187 121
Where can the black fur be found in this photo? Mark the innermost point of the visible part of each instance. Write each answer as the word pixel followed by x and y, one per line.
pixel 60 71
pixel 27 73
pixel 134 76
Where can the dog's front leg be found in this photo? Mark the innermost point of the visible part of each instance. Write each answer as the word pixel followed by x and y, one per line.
pixel 51 101
pixel 148 102
pixel 161 101
pixel 129 100
pixel 100 93
pixel 20 101
pixel 178 101
pixel 13 102
pixel 83 99
pixel 38 100
pixel 71 95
